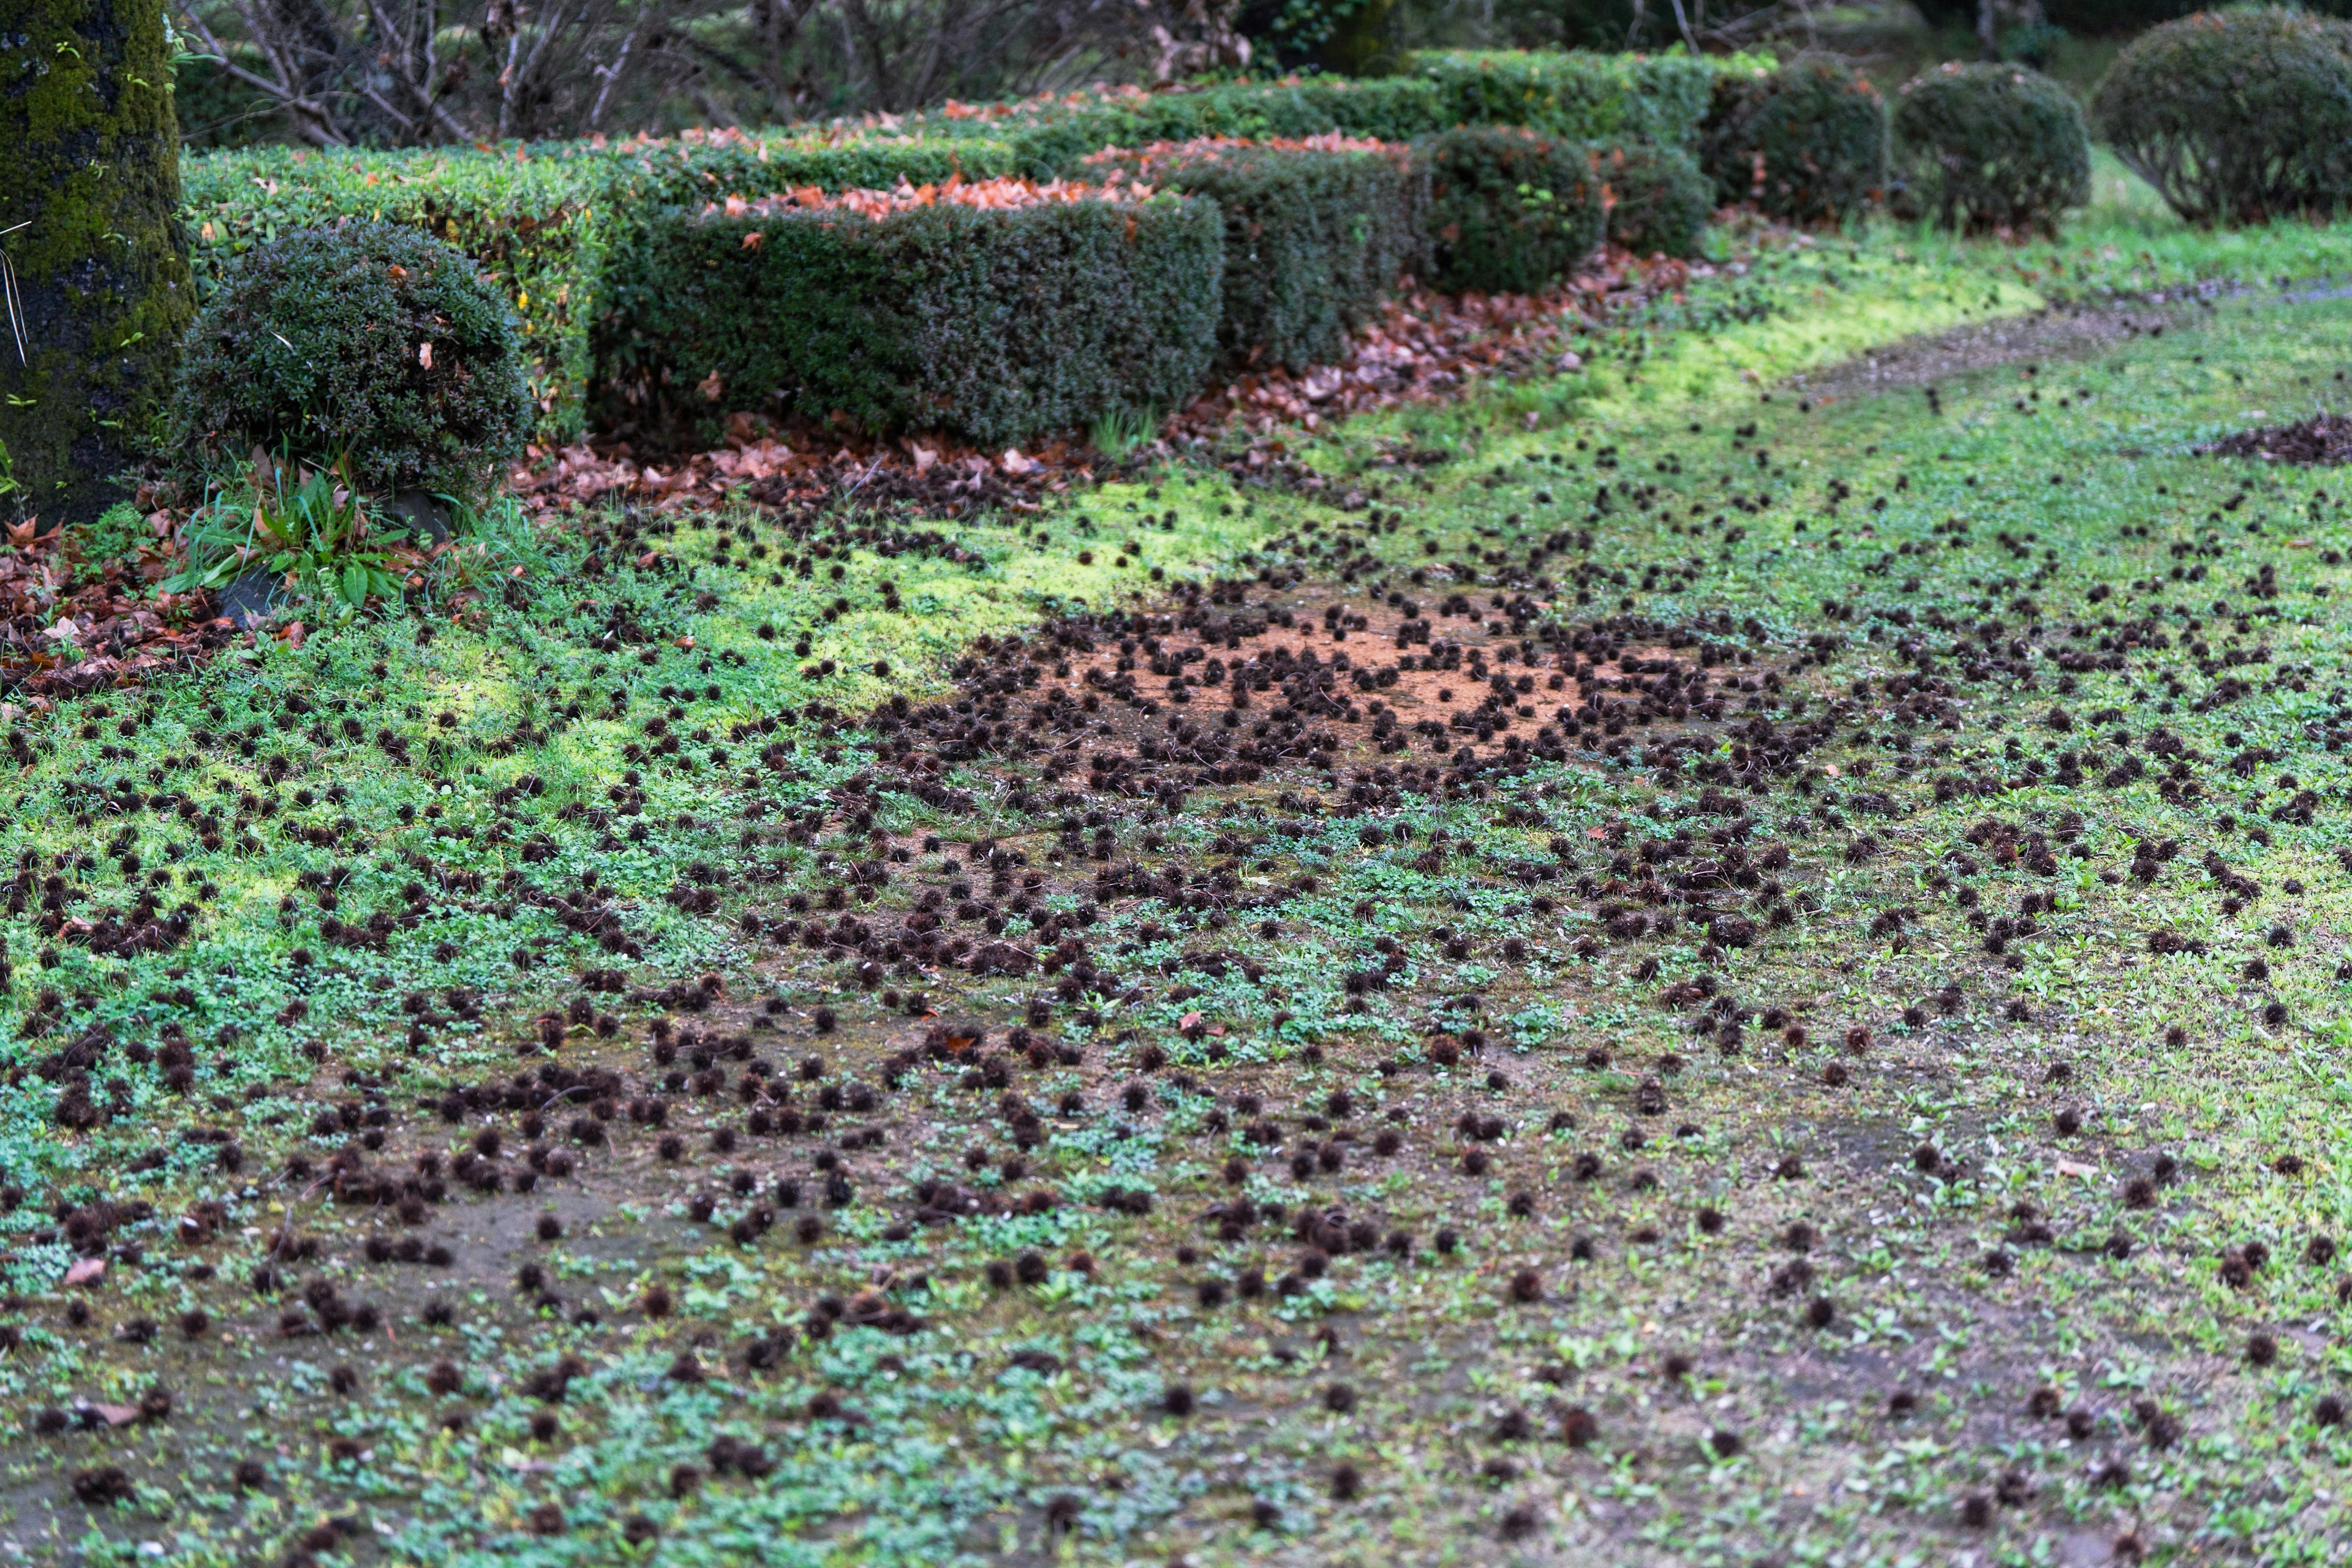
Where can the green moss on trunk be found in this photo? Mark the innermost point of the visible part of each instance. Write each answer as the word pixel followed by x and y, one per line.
pixel 92 147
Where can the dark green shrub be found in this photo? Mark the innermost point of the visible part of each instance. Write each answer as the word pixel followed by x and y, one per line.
pixel 1659 200
pixel 369 339
pixel 541 229
pixel 1051 135
pixel 1619 98
pixel 697 166
pixel 993 323
pixel 1806 142
pixel 1316 236
pixel 1510 211
pixel 2235 116
pixel 1986 147
pixel 544 221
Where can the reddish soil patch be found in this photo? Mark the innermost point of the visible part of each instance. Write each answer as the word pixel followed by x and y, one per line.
pixel 1414 695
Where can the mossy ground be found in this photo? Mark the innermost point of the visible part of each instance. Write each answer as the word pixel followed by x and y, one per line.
pixel 1940 576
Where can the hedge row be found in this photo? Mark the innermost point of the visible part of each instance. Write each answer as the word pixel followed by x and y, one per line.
pixel 596 242
pixel 542 229
pixel 1315 235
pixel 994 310
pixel 553 224
pixel 1617 100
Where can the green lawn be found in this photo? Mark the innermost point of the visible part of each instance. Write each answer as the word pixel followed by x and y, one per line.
pixel 1995 848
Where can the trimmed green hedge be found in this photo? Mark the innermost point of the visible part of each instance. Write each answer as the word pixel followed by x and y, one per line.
pixel 1805 142
pixel 1509 210
pixel 2237 116
pixel 695 167
pixel 1659 199
pixel 551 223
pixel 368 341
pixel 1314 237
pixel 584 239
pixel 540 227
pixel 1986 147
pixel 1616 98
pixel 993 323
pixel 1051 137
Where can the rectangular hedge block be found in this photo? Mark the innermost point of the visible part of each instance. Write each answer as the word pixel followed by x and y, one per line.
pixel 995 313
pixel 1317 233
pixel 1510 210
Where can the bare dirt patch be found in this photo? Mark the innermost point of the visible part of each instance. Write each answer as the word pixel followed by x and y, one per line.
pixel 1934 357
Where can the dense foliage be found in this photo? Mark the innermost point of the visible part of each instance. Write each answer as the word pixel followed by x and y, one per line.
pixel 1659 199
pixel 368 341
pixel 2235 116
pixel 545 222
pixel 1315 238
pixel 994 323
pixel 1619 98
pixel 1806 142
pixel 1510 211
pixel 1991 147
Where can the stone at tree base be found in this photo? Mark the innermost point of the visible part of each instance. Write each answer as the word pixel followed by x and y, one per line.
pixel 92 147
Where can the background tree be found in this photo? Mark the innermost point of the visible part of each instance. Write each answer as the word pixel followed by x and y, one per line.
pixel 96 279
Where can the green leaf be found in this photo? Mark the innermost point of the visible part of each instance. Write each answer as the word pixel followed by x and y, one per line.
pixel 356 584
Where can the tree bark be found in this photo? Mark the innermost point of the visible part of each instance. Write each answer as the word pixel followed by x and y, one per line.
pixel 97 263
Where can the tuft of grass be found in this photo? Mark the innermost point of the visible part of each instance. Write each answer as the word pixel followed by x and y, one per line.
pixel 1120 431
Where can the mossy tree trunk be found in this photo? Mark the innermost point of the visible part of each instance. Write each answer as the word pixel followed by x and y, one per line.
pixel 89 199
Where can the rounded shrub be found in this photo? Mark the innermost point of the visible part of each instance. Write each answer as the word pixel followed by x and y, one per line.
pixel 1982 148
pixel 1509 210
pixel 1806 142
pixel 1659 201
pixel 2235 116
pixel 369 341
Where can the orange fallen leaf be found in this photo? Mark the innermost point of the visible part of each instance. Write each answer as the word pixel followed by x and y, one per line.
pixel 117 1414
pixel 1188 1021
pixel 85 1270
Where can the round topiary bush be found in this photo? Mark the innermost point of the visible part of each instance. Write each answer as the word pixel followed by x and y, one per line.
pixel 1659 201
pixel 1806 142
pixel 2235 116
pixel 366 339
pixel 1982 148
